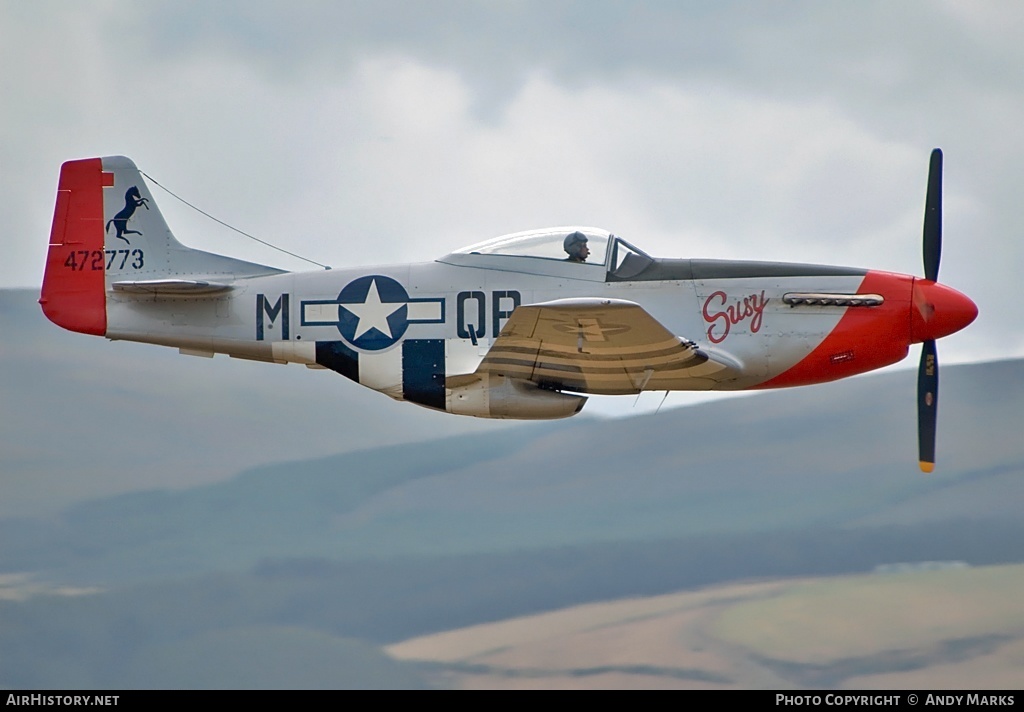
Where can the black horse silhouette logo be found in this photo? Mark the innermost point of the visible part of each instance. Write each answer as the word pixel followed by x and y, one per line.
pixel 132 200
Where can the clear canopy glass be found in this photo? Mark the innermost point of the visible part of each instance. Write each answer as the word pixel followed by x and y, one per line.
pixel 544 244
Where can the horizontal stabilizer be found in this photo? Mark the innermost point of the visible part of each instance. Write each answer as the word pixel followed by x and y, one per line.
pixel 172 287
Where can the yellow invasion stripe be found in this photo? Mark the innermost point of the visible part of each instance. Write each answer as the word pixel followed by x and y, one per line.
pixel 640 361
pixel 532 372
pixel 639 364
pixel 674 353
pixel 505 350
pixel 589 377
pixel 506 342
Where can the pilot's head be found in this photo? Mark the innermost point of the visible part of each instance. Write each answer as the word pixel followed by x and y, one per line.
pixel 575 245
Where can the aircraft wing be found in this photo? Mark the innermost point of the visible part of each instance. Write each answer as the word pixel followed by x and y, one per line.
pixel 608 346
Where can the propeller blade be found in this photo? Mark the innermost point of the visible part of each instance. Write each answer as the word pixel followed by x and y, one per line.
pixel 927 405
pixel 933 218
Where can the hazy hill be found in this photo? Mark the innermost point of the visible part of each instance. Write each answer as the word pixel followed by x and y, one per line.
pixel 839 455
pixel 945 629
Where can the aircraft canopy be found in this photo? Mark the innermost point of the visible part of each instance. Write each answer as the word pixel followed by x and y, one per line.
pixel 543 252
pixel 546 243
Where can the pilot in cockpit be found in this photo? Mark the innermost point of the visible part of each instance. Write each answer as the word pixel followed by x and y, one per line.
pixel 575 245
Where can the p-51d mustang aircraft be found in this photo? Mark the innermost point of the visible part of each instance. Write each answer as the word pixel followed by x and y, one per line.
pixel 521 326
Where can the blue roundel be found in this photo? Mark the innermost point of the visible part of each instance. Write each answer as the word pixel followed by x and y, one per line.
pixel 373 312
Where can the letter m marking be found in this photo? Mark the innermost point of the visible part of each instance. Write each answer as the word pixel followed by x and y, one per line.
pixel 267 314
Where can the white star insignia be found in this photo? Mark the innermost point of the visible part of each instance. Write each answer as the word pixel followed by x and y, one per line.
pixel 373 313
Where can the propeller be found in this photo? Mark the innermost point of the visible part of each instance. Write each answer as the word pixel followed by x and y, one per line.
pixel 928 370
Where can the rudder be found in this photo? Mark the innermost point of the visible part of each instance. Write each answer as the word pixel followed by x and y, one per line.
pixel 74 291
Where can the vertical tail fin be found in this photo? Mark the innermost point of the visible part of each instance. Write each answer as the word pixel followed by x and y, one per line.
pixel 107 228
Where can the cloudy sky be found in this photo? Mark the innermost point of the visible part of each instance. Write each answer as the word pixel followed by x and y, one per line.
pixel 367 132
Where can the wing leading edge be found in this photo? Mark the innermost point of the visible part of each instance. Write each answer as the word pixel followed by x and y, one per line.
pixel 599 346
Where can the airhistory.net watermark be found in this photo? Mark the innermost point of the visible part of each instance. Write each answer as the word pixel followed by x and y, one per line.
pixel 62 700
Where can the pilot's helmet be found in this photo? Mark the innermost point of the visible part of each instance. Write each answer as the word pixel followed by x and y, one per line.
pixel 574 242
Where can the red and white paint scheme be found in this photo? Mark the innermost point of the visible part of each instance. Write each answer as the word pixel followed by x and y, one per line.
pixel 521 326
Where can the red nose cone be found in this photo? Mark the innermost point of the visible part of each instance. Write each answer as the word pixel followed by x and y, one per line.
pixel 937 310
